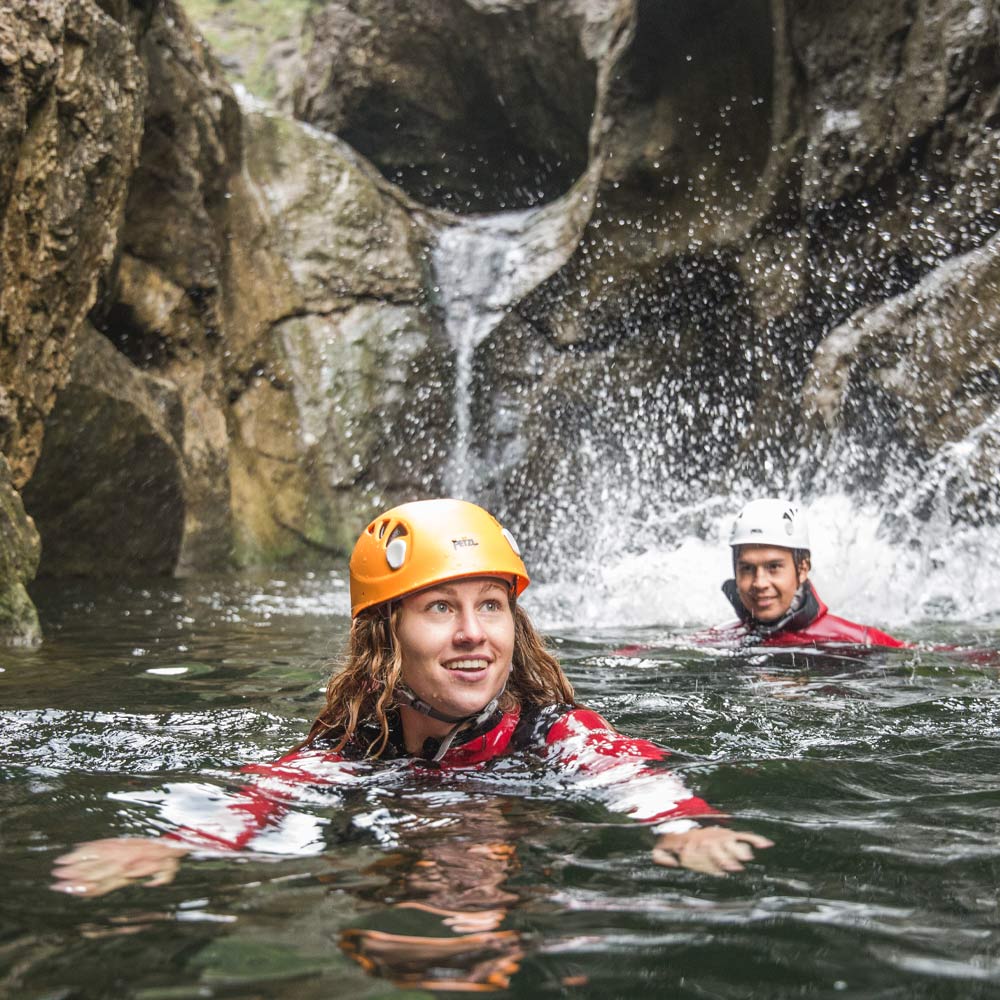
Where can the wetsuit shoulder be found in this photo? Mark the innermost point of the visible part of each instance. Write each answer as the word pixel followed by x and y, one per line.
pixel 833 628
pixel 876 637
pixel 582 728
pixel 534 724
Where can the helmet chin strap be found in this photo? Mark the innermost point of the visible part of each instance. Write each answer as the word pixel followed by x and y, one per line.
pixel 409 699
pixel 458 723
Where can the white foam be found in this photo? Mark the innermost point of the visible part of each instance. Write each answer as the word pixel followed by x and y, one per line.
pixel 865 567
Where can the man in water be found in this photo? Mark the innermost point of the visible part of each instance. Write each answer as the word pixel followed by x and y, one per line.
pixel 771 592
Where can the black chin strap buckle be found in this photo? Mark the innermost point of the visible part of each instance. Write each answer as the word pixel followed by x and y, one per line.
pixel 457 724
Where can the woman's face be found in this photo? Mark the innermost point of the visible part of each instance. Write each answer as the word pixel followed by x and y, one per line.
pixel 457 643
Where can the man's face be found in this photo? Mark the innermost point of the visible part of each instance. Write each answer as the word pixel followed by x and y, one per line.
pixel 766 579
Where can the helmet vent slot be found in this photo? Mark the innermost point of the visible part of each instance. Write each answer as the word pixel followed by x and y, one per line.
pixel 511 541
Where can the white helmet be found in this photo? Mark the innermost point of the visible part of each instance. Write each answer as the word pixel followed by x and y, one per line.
pixel 770 522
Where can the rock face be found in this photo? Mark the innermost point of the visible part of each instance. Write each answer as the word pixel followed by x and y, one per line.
pixel 917 376
pixel 742 208
pixel 467 106
pixel 71 95
pixel 70 124
pixel 108 491
pixel 172 418
pixel 854 155
pixel 364 356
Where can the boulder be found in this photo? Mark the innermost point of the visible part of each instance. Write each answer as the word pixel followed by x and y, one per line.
pixel 373 391
pixel 164 305
pixel 107 493
pixel 342 231
pixel 19 549
pixel 914 382
pixel 830 162
pixel 364 399
pixel 657 405
pixel 197 282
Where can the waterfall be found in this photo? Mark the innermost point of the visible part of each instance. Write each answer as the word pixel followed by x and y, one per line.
pixel 482 265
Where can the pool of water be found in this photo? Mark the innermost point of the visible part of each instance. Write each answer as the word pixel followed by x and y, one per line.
pixel 875 775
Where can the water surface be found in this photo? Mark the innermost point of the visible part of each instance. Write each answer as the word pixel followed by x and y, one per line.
pixel 875 774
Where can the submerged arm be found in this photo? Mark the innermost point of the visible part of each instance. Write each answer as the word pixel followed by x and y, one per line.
pixel 619 769
pixel 97 867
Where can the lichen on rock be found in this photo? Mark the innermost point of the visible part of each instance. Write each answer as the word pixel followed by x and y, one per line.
pixel 19 550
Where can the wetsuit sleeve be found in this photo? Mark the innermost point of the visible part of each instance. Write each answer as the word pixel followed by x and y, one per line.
pixel 230 822
pixel 622 772
pixel 874 637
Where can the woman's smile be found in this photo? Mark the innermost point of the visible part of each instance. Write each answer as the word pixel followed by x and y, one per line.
pixel 477 666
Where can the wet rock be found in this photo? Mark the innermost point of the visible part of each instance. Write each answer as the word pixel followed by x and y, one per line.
pixel 467 106
pixel 19 549
pixel 880 85
pixel 298 311
pixel 365 365
pixel 342 230
pixel 623 402
pixel 689 135
pixel 197 283
pixel 918 377
pixel 373 388
pixel 71 94
pixel 108 490
pixel 166 307
pixel 832 161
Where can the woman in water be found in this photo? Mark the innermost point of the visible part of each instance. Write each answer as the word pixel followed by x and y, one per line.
pixel 443 669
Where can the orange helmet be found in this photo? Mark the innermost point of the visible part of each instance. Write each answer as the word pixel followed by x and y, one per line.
pixel 425 542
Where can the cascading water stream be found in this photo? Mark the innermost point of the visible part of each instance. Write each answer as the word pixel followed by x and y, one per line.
pixel 482 265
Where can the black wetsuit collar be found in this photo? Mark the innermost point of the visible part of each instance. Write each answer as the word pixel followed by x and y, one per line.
pixel 370 732
pixel 801 613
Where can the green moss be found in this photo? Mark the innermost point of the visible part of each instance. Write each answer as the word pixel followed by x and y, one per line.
pixel 243 32
pixel 18 617
pixel 19 552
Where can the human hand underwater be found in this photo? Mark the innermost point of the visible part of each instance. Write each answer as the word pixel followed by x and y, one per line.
pixel 97 867
pixel 713 850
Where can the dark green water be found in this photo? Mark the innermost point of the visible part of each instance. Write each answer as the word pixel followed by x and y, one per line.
pixel 877 777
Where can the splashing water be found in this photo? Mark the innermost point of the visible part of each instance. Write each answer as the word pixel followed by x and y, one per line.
pixel 867 566
pixel 899 536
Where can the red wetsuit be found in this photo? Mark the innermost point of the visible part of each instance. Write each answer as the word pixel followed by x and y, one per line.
pixel 616 769
pixel 807 623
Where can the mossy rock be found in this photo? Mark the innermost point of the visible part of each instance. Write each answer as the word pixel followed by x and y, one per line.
pixel 19 553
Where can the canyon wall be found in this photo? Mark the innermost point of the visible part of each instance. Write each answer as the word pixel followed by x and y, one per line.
pixel 726 242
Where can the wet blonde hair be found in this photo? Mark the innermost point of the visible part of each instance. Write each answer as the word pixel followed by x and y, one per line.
pixel 363 690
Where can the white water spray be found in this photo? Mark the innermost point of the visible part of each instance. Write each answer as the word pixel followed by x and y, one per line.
pixel 864 568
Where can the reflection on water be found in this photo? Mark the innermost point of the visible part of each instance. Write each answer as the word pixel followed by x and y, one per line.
pixel 875 775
